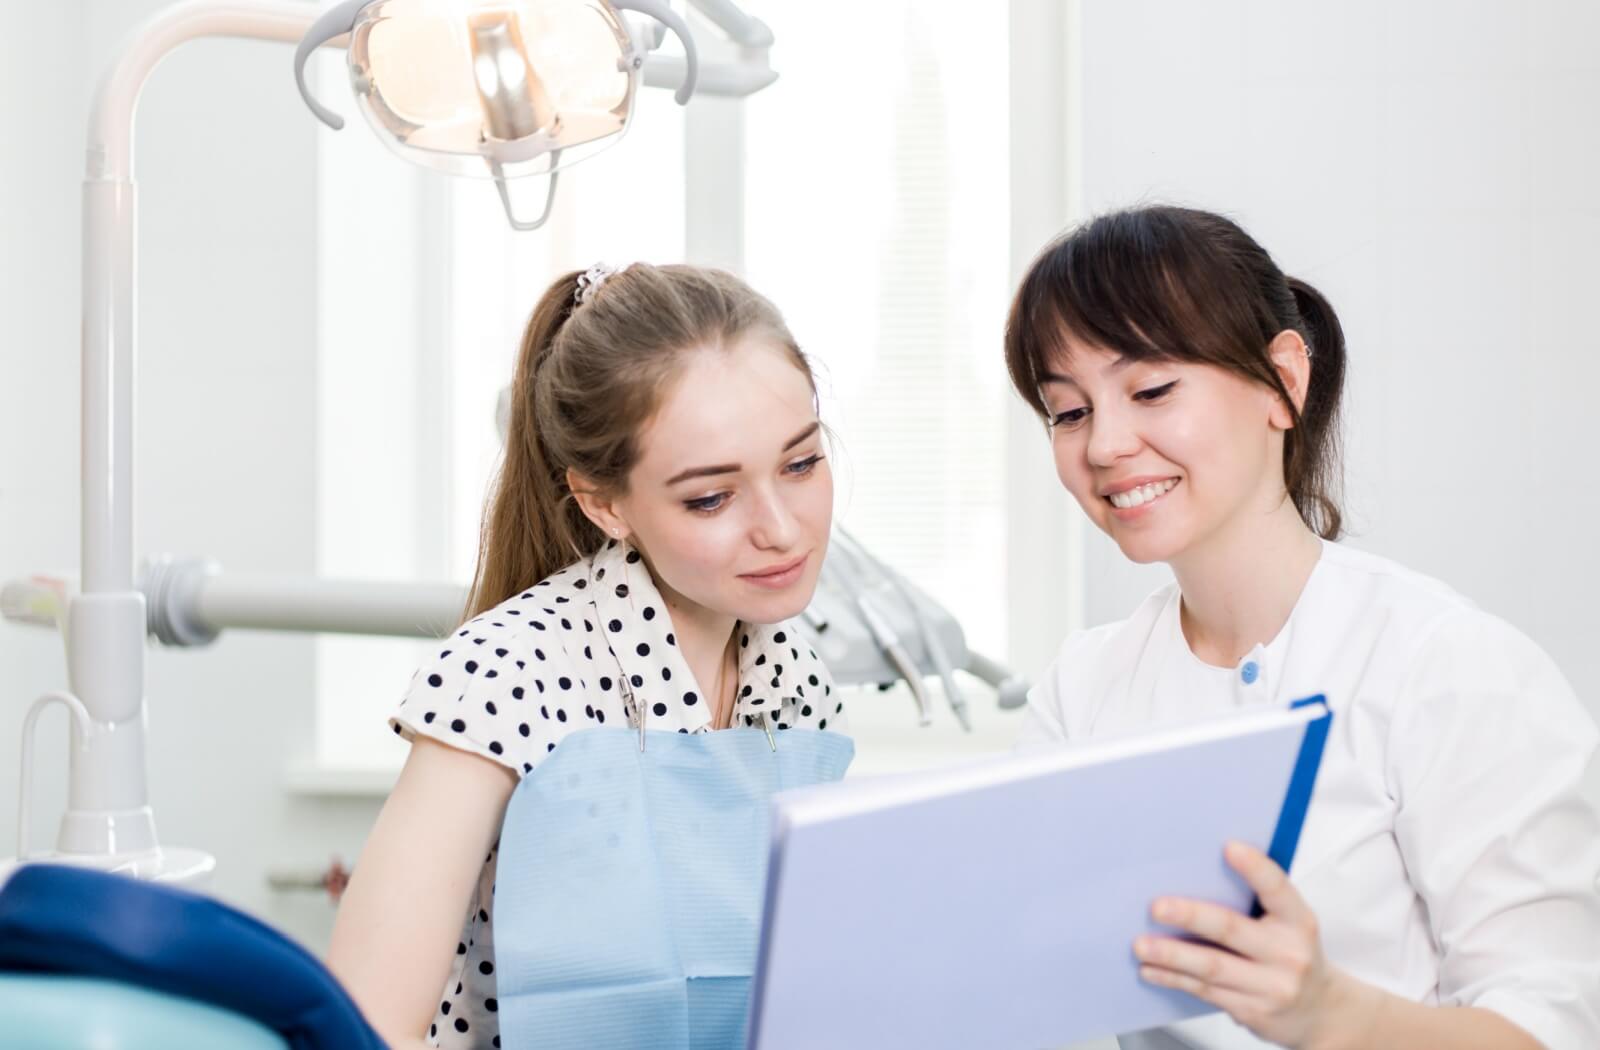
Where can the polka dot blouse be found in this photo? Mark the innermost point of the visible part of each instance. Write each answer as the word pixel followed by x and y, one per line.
pixel 510 684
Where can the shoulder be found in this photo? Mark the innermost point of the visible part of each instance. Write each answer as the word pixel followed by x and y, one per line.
pixel 1439 645
pixel 502 683
pixel 1066 698
pixel 1088 653
pixel 780 661
pixel 1422 621
pixel 1361 578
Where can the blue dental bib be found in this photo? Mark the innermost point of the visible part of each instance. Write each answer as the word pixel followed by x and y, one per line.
pixel 630 885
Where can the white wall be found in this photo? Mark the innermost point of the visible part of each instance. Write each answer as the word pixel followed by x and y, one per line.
pixel 226 402
pixel 41 96
pixel 1431 166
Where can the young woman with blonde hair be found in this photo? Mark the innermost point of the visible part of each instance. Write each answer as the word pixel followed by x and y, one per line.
pixel 663 509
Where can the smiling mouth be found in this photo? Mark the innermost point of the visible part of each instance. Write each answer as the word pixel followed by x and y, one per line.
pixel 1143 494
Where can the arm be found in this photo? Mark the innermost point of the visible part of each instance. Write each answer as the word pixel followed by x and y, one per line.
pixel 1400 1022
pixel 1273 978
pixel 401 915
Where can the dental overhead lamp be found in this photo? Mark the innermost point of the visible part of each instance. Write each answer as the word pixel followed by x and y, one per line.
pixel 502 89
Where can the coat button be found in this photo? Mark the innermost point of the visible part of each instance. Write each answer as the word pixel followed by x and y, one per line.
pixel 1250 672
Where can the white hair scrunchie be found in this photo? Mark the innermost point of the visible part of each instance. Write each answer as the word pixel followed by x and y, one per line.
pixel 590 280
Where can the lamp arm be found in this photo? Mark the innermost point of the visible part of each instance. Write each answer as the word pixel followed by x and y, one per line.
pixel 117 95
pixel 743 29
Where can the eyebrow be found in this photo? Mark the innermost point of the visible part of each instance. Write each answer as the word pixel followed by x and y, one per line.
pixel 734 468
pixel 1122 361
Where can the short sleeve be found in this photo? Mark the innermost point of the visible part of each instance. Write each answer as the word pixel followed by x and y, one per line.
pixel 1042 725
pixel 480 694
pixel 1046 720
pixel 1488 753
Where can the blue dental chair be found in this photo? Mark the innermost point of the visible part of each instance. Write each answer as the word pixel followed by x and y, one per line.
pixel 89 959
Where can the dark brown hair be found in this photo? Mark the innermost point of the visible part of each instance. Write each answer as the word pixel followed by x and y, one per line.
pixel 1180 284
pixel 588 378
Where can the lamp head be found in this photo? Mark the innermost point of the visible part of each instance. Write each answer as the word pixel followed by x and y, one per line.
pixel 499 89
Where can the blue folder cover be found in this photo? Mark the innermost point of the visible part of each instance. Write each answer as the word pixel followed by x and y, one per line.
pixel 997 904
pixel 1298 798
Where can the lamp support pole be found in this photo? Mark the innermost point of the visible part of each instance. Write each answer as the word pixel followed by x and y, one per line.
pixel 109 822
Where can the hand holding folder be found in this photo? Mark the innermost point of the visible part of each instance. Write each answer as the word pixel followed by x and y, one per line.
pixel 1268 971
pixel 997 904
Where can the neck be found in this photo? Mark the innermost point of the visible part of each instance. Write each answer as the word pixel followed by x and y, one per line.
pixel 1240 585
pixel 705 638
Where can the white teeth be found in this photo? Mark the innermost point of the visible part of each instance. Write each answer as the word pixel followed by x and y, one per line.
pixel 1141 495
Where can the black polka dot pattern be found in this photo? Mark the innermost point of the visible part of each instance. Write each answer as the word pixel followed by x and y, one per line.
pixel 527 677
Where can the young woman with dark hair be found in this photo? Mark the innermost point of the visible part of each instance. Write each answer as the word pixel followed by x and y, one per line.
pixel 1444 891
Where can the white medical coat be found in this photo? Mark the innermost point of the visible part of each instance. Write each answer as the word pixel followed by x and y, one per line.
pixel 1449 853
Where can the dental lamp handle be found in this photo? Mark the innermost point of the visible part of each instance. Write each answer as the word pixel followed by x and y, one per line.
pixel 658 10
pixel 334 22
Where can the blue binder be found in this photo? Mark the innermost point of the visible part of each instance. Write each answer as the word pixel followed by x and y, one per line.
pixel 996 904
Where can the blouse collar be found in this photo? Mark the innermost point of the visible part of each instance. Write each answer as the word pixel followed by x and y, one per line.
pixel 775 664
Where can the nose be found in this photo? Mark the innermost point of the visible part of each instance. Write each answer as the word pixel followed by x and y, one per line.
pixel 1112 436
pixel 773 525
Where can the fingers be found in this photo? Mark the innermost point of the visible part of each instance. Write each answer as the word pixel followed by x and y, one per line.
pixel 1217 994
pixel 1278 896
pixel 1214 923
pixel 1195 967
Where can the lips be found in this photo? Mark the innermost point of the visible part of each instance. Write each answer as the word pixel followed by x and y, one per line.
pixel 776 576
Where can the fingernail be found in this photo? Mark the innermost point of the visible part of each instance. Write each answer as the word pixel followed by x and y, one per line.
pixel 1163 911
pixel 1141 947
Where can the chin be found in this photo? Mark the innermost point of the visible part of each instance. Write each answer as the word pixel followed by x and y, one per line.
pixel 1143 549
pixel 774 610
pixel 784 605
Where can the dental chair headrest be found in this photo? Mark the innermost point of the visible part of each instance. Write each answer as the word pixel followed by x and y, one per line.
pixel 63 920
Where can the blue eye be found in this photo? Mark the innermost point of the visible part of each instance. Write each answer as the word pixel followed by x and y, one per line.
pixel 801 467
pixel 707 504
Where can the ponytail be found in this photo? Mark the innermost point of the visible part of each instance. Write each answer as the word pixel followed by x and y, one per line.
pixel 1311 451
pixel 531 525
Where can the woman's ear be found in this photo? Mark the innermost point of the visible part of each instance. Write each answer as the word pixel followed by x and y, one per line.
pixel 596 507
pixel 1291 358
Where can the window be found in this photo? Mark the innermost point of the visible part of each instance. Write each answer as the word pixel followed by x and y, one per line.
pixel 877 219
